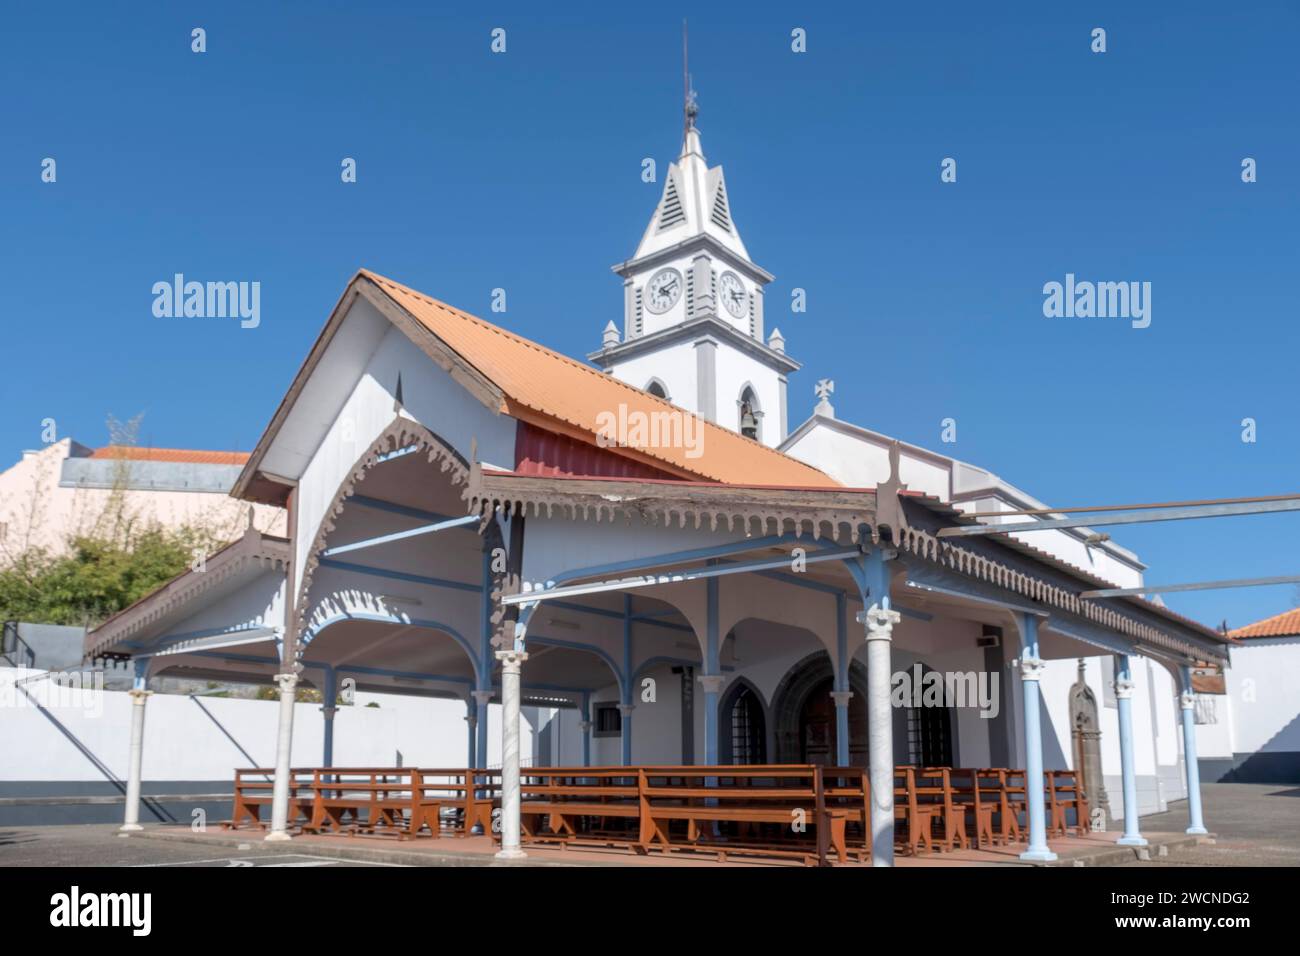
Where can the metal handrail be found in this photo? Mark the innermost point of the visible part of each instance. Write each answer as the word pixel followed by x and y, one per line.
pixel 12 645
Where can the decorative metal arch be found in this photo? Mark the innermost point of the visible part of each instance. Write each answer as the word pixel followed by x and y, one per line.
pixel 401 433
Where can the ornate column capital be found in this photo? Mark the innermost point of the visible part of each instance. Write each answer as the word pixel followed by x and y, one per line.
pixel 880 622
pixel 329 711
pixel 288 682
pixel 1123 688
pixel 138 697
pixel 841 697
pixel 712 683
pixel 511 660
pixel 584 725
pixel 1187 700
pixel 1031 668
pixel 626 709
pixel 482 697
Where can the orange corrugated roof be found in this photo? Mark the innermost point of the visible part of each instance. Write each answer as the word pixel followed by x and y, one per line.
pixel 185 455
pixel 555 387
pixel 1279 625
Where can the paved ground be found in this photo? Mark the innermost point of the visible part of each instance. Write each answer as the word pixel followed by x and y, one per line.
pixel 1255 825
pixel 98 844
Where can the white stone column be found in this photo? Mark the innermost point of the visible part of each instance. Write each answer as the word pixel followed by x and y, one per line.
pixel 880 623
pixel 131 819
pixel 511 662
pixel 283 756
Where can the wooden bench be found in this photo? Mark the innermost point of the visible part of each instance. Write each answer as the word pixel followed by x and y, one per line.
pixel 747 800
pixel 254 787
pixel 918 817
pixel 568 805
pixel 1063 795
pixel 401 801
pixel 934 788
pixel 979 793
pixel 848 789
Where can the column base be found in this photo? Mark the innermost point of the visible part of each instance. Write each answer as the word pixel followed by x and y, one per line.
pixel 1131 841
pixel 1038 856
pixel 510 854
pixel 278 836
pixel 1197 831
pixel 126 828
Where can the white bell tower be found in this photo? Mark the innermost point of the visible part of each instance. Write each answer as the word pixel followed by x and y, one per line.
pixel 693 329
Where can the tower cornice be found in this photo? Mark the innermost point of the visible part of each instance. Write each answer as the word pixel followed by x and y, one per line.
pixel 708 325
pixel 692 244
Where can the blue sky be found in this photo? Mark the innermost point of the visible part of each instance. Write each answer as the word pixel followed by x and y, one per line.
pixel 522 171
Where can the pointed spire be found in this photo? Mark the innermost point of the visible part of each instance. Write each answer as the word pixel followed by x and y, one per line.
pixel 397 395
pixel 690 105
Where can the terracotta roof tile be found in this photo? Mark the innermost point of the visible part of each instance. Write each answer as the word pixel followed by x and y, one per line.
pixel 1279 625
pixel 184 455
pixel 536 379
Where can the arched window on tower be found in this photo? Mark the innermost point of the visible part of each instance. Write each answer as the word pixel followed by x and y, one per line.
pixel 656 388
pixel 750 416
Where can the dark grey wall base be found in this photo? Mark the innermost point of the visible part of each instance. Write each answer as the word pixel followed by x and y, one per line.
pixel 1279 767
pixel 27 803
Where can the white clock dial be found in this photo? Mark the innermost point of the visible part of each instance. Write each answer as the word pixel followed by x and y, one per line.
pixel 732 292
pixel 663 290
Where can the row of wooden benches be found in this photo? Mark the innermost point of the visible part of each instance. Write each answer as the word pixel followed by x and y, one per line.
pixel 402 801
pixel 802 811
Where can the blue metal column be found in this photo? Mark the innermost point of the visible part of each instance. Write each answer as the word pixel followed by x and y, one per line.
pixel 841 694
pixel 1187 701
pixel 711 679
pixel 626 707
pixel 329 707
pixel 1124 702
pixel 1031 669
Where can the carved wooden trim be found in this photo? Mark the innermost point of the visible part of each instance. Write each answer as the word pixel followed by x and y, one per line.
pixel 401 433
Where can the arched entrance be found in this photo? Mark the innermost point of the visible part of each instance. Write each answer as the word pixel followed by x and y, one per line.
pixel 928 725
pixel 744 726
pixel 803 714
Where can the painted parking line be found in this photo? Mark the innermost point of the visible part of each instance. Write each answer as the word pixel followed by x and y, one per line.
pixel 276 859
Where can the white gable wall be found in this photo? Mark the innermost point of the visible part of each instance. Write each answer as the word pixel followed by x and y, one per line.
pixel 430 396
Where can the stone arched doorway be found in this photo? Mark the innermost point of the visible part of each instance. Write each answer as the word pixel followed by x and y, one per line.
pixel 1085 731
pixel 803 714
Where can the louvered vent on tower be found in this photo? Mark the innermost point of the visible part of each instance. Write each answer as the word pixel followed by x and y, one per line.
pixel 670 210
pixel 721 215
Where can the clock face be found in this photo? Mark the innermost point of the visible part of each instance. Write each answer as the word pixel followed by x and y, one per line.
pixel 732 292
pixel 663 290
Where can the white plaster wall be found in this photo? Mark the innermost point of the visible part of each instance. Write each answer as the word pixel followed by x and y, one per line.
pixel 735 370
pixel 1263 684
pixel 674 365
pixel 429 395
pixel 862 461
pixel 209 737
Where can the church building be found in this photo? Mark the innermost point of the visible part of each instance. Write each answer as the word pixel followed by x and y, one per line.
pixel 739 588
